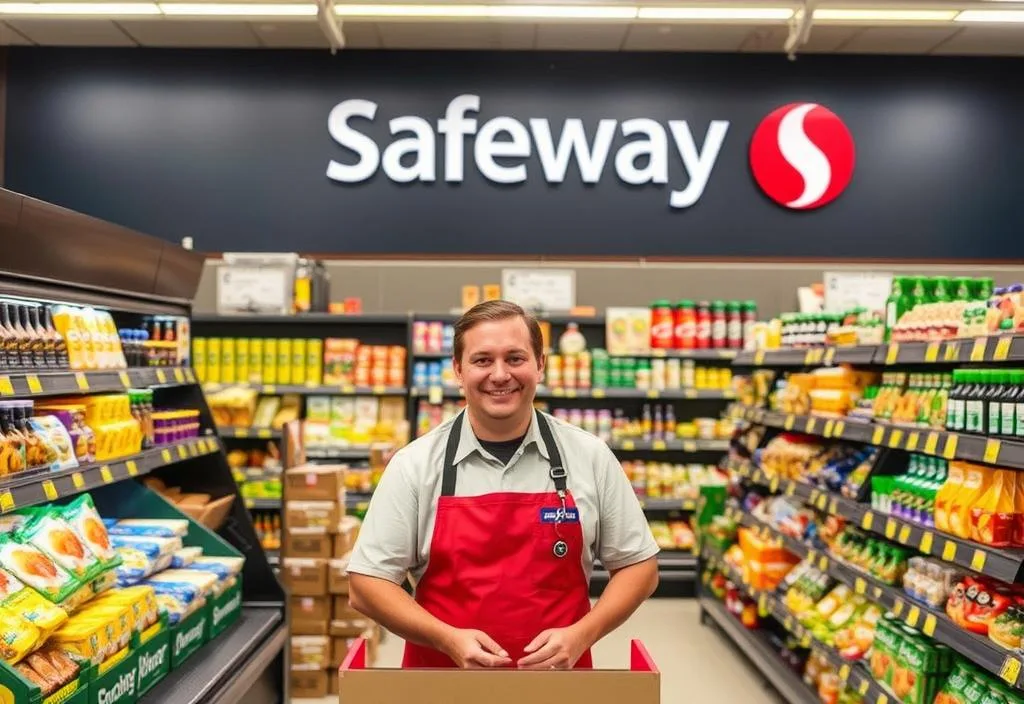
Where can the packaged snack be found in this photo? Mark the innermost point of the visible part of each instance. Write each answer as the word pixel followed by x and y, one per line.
pixel 18 599
pixel 12 522
pixel 141 599
pixel 67 668
pixel 42 667
pixel 142 556
pixel 884 649
pixel 120 617
pixel 190 582
pixel 52 535
pixel 37 570
pixel 223 567
pixel 18 638
pixel 185 557
pixel 60 451
pixel 151 527
pixel 89 639
pixel 1007 628
pixel 83 518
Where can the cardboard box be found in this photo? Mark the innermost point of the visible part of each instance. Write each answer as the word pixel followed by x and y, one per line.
pixel 310 684
pixel 311 482
pixel 305 627
pixel 311 608
pixel 332 683
pixel 337 576
pixel 343 611
pixel 313 514
pixel 304 577
pixel 349 628
pixel 310 652
pixel 311 543
pixel 348 531
pixel 339 649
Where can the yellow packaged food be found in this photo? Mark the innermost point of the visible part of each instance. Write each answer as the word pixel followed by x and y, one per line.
pixel 121 619
pixel 213 360
pixel 18 638
pixel 255 361
pixel 284 361
pixel 228 363
pixel 33 608
pixel 89 638
pixel 199 358
pixel 270 361
pixel 142 601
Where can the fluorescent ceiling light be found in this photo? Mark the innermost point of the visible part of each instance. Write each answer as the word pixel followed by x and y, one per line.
pixel 183 9
pixel 885 15
pixel 385 10
pixel 598 12
pixel 82 9
pixel 715 13
pixel 563 11
pixel 991 16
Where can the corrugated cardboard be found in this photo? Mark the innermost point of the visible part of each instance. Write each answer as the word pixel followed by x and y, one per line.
pixel 313 514
pixel 310 482
pixel 312 543
pixel 343 611
pixel 339 649
pixel 349 628
pixel 332 683
pixel 348 531
pixel 337 576
pixel 304 577
pixel 311 652
pixel 311 608
pixel 309 685
pixel 302 627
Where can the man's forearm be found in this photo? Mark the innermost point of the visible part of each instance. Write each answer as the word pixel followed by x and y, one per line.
pixel 626 590
pixel 391 606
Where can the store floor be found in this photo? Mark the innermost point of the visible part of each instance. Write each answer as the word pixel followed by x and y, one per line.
pixel 697 663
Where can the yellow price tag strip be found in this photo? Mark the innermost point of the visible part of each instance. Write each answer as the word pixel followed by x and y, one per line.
pixel 78 480
pixel 166 456
pixel 926 543
pixel 830 355
pixel 867 521
pixel 161 376
pixel 759 358
pixel 179 375
pixel 949 551
pixel 882 699
pixel 271 389
pixel 931 443
pixel 978 349
pixel 690 393
pixel 1010 671
pixel 895 437
pixel 810 426
pixel 49 490
pixel 952 352
pixel 126 380
pixel 1002 352
pixel 978 560
pixel 892 353
pixel 264 433
pixel 628 445
pixel 82 380
pixel 877 435
pixel 823 564
pixel 789 422
pixel 949 451
pixel 911 445
pixel 597 393
pixel 689 446
pixel 931 353
pixel 929 625
pixel 241 432
pixel 182 452
pixel 652 393
pixel 862 689
pixel 190 376
pixel 876 592
pixel 860 586
pixel 6 387
pixel 829 427
pixel 890 528
pixel 840 428
pixel 844 672
pixel 790 488
pixel 658 445
pixel 34 385
pixel 822 502
pixel 992 448
pixel 133 468
pixel 913 616
pixel 6 502
pixel 904 536
pixel 833 507
pixel 898 607
pixel 106 475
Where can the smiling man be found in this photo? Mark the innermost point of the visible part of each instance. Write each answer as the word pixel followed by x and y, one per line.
pixel 498 516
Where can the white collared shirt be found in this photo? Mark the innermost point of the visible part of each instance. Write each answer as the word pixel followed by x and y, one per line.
pixel 399 524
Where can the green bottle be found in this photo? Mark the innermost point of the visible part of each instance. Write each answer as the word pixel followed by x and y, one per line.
pixel 896 304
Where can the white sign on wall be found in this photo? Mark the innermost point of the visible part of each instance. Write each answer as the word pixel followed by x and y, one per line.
pixel 845 290
pixel 540 289
pixel 255 283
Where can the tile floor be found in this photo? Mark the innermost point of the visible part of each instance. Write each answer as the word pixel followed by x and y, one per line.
pixel 698 664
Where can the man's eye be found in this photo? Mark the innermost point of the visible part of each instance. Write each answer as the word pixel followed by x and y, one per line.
pixel 480 362
pixel 516 360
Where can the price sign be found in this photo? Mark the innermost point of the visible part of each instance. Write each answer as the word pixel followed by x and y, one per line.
pixel 904 536
pixel 790 488
pixel 271 389
pixel 844 672
pixel 182 452
pixel 949 451
pixel 126 381
pixel 822 502
pixel 179 375
pixel 913 616
pixel 862 688
pixel 949 551
pixel 569 393
pixel 833 507
pixel 773 485
pixel 106 475
pixel 690 393
pixel 689 446
pixel 895 437
pixel 882 699
pixel 898 607
pixel 829 427
pixel 830 355
pixel 241 432
pixel 1002 352
pixel 758 358
pixel 926 542
pixel 190 377
pixel 929 625
pixel 597 393
pixel 1010 671
pixel 78 480
pixel 82 381
pixel 166 456
pixel 978 560
pixel 860 586
pixel 349 389
pixel 911 445
pixel 867 521
pixel 892 353
pixel 823 564
pixel 6 387
pixel 992 448
pixel 837 432
pixel 263 433
pixel 133 468
pixel 789 422
pixel 658 445
pixel 978 349
pixel 877 435
pixel 49 490
pixel 34 384
pixel 931 444
pixel 952 351
pixel 890 528
pixel 931 353
pixel 6 502
pixel 628 445
pixel 809 428
pixel 161 376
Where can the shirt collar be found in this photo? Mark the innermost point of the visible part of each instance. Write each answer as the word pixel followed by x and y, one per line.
pixel 468 442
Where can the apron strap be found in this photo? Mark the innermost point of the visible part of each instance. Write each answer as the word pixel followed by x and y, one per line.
pixel 449 475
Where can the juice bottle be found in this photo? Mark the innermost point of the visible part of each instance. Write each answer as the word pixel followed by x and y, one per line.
pixel 946 494
pixel 992 515
pixel 977 480
pixel 994 402
pixel 1008 406
pixel 974 402
pixel 685 321
pixel 703 338
pixel 955 405
pixel 896 304
pixel 662 325
pixel 60 345
pixel 719 326
pixel 43 339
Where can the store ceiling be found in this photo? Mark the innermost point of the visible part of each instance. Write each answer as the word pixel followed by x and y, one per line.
pixel 882 27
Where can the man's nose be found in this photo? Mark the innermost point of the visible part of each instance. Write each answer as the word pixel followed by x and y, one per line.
pixel 499 371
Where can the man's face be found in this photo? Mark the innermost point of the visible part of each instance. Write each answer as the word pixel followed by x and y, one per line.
pixel 498 370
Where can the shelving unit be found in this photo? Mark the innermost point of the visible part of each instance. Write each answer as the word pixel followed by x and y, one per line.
pixel 247 662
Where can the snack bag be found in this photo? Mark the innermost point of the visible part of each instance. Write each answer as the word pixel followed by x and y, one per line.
pixel 181 592
pixel 18 638
pixel 141 599
pixel 952 691
pixel 151 527
pixel 37 570
pixel 185 557
pixel 121 618
pixel 83 518
pixel 52 535
pixel 18 599
pixel 142 556
pixel 60 451
pixel 49 670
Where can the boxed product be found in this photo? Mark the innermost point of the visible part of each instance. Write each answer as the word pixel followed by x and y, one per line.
pixel 343 611
pixel 315 483
pixel 311 608
pixel 310 652
pixel 350 627
pixel 313 514
pixel 337 575
pixel 304 576
pixel 339 649
pixel 307 542
pixel 348 531
pixel 309 684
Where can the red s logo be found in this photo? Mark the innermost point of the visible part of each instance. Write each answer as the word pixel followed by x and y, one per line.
pixel 802 156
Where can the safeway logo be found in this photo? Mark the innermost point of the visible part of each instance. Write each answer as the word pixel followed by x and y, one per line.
pixel 802 156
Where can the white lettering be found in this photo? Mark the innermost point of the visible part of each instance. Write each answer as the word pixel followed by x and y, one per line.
pixel 125 686
pixel 366 148
pixel 454 126
pixel 654 147
pixel 183 640
pixel 572 140
pixel 151 662
pixel 421 144
pixel 698 165
pixel 220 612
pixel 487 148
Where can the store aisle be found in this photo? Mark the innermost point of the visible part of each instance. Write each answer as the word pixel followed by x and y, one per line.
pixel 697 664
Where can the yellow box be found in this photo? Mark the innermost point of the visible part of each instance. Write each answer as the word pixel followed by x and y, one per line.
pixel 315 361
pixel 213 360
pixel 228 363
pixel 284 361
pixel 470 296
pixel 492 292
pixel 270 361
pixel 298 361
pixel 199 358
pixel 242 360
pixel 255 361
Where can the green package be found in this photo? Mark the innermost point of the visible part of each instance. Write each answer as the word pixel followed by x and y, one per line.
pixel 37 570
pixel 53 536
pixel 884 649
pixel 85 521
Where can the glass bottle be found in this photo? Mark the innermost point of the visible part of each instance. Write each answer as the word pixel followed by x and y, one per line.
pixel 10 356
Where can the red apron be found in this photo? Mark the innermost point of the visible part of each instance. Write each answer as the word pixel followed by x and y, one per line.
pixel 507 564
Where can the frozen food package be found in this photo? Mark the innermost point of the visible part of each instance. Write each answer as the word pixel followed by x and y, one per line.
pixel 65 666
pixel 151 527
pixel 185 557
pixel 37 570
pixel 42 667
pixel 121 618
pixel 177 607
pixel 192 583
pixel 13 522
pixel 83 518
pixel 17 638
pixel 223 567
pixel 53 536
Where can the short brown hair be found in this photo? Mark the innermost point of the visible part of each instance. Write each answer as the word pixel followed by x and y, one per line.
pixel 497 310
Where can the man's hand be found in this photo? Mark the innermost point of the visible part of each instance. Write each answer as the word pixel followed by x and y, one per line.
pixel 475 649
pixel 555 648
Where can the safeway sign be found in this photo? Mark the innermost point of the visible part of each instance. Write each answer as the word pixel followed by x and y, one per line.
pixel 500 142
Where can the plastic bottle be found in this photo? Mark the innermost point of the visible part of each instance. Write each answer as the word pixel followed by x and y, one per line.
pixel 646 422
pixel 662 325
pixel 974 406
pixel 11 356
pixel 994 402
pixel 703 325
pixel 955 403
pixel 896 304
pixel 658 429
pixel 749 320
pixel 685 333
pixel 670 422
pixel 719 326
pixel 1008 406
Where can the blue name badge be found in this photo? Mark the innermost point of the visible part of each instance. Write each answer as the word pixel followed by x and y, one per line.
pixel 551 515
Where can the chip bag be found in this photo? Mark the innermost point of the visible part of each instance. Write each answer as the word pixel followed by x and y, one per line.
pixel 55 537
pixel 37 570
pixel 17 637
pixel 29 605
pixel 83 518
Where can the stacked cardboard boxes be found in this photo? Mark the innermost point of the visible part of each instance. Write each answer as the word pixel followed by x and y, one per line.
pixel 316 546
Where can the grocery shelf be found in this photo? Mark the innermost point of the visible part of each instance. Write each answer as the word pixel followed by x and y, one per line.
pixel 263 504
pixel 443 391
pixel 38 384
pixel 236 432
pixel 553 318
pixel 339 452
pixel 673 445
pixel 668 504
pixel 43 486
pixel 356 500
pixel 313 390
pixel 716 354
pixel 677 560
pixel 223 670
pixel 1003 564
pixel 431 355
pixel 547 393
pixel 300 318
pixel 760 653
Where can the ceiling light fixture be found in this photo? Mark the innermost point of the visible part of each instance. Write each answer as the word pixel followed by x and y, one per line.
pixel 1006 16
pixel 386 10
pixel 185 9
pixel 600 12
pixel 837 15
pixel 715 13
pixel 80 9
